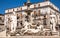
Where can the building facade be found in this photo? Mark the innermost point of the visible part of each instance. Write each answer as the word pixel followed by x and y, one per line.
pixel 39 19
pixel 2 26
pixel 1 22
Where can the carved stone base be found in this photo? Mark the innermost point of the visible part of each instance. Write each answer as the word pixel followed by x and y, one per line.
pixel 47 32
pixel 55 33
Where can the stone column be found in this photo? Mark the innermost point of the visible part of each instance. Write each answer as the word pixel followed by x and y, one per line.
pixel 48 20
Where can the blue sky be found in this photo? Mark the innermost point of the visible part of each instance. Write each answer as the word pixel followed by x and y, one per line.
pixel 6 4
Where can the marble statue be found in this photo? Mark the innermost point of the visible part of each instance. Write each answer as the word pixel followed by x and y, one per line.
pixel 13 23
pixel 53 22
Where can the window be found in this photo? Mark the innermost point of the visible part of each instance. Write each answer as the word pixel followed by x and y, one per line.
pixel 21 23
pixel 44 22
pixel 38 12
pixel 13 9
pixel 27 18
pixel 28 13
pixel 59 26
pixel 18 16
pixel 45 16
pixel 59 17
pixel 34 6
pixel 21 8
pixel 0 18
pixel 35 14
pixel 38 5
pixel 38 24
pixel 21 15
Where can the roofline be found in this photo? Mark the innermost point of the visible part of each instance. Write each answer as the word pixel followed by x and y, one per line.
pixel 37 8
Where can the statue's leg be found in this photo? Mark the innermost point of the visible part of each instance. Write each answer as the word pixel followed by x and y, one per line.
pixel 12 28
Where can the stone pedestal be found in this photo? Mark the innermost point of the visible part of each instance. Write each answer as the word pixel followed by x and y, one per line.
pixel 47 32
pixel 55 33
pixel 3 34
